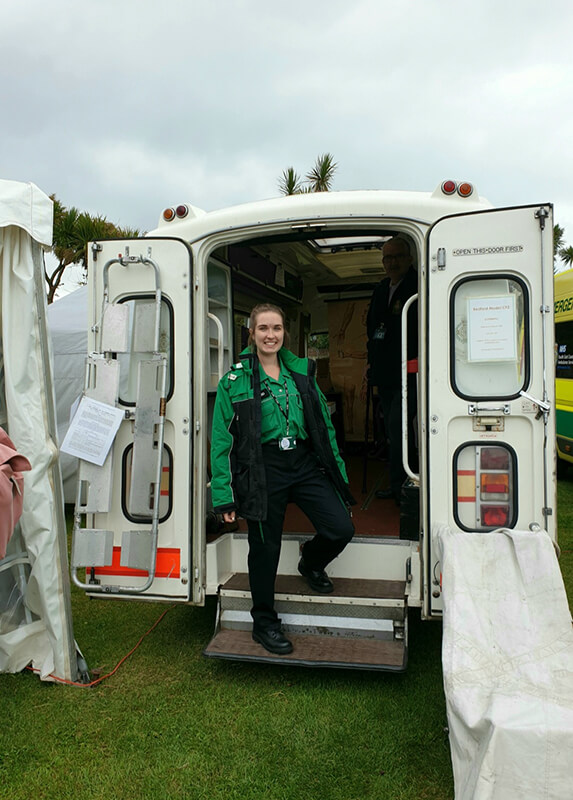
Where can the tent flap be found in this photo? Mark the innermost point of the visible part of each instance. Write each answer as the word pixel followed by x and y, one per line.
pixel 23 205
pixel 44 637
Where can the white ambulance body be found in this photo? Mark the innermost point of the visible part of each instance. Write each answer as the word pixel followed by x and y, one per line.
pixel 168 315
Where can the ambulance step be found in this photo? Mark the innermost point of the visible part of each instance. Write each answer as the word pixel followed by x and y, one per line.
pixel 356 607
pixel 313 651
pixel 392 591
pixel 362 624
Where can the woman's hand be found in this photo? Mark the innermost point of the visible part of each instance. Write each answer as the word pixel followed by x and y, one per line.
pixel 229 516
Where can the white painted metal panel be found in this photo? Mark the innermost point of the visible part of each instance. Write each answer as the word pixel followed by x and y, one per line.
pixel 511 247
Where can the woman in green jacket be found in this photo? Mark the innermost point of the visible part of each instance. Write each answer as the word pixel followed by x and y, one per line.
pixel 273 442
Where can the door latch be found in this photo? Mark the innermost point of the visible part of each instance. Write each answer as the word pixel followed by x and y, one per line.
pixel 488 418
pixel 543 406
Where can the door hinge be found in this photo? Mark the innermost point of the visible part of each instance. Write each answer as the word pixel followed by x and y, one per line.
pixel 541 214
pixel 96 248
pixel 308 226
pixel 441 257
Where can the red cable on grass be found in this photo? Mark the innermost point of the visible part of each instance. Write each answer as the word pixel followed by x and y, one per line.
pixel 117 666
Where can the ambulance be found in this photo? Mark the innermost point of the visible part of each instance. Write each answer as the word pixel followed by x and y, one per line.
pixel 564 368
pixel 168 316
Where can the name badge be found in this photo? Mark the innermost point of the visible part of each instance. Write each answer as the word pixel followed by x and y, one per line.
pixel 380 332
pixel 287 443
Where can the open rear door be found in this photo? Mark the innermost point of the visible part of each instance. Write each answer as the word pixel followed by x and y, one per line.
pixel 489 378
pixel 138 539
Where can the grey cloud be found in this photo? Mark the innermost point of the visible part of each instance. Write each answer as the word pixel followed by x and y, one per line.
pixel 124 106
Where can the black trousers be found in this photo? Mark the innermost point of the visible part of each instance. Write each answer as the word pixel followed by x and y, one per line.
pixel 391 402
pixel 293 475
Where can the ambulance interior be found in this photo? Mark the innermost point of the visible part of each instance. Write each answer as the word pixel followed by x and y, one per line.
pixel 324 284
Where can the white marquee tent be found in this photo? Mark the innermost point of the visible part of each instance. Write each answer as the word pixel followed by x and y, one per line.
pixel 35 614
pixel 67 323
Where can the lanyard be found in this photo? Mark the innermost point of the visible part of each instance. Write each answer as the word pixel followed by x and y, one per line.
pixel 275 398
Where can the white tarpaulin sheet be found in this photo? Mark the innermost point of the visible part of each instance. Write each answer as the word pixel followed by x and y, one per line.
pixel 35 616
pixel 67 322
pixel 508 666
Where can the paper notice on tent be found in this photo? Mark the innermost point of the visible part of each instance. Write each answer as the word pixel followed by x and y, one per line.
pixel 92 431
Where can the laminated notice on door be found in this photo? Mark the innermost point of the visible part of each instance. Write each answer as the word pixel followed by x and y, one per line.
pixel 492 329
pixel 92 431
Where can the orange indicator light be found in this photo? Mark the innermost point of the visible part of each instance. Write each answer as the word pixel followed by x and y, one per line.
pixel 465 189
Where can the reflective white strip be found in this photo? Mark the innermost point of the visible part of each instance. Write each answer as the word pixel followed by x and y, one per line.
pixel 314 621
pixel 358 602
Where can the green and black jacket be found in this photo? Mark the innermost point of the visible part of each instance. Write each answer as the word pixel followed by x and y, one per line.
pixel 237 470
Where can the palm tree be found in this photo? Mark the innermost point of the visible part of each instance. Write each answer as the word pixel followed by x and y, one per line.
pixel 318 179
pixel 72 232
pixel 321 175
pixel 558 239
pixel 290 182
pixel 566 255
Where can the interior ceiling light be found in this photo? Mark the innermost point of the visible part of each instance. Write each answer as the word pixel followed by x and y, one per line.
pixel 337 244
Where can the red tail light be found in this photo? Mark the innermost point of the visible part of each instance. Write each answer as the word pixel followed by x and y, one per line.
pixel 494 516
pixel 494 458
pixel 486 489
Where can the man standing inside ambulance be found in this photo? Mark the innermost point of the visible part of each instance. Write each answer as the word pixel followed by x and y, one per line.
pixel 383 326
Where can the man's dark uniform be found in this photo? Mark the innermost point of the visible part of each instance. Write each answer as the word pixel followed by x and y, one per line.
pixel 383 326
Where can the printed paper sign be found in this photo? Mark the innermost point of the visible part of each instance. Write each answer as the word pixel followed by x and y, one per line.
pixel 492 329
pixel 92 431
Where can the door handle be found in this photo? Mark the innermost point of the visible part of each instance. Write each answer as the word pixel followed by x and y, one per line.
pixel 404 368
pixel 219 327
pixel 543 405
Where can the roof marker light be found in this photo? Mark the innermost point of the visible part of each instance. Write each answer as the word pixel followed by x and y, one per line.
pixel 169 214
pixel 465 189
pixel 449 187
pixel 182 211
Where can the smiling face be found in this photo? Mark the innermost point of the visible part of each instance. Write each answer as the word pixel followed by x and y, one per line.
pixel 396 259
pixel 268 333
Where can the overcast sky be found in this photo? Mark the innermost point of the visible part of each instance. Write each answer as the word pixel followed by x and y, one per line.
pixel 123 107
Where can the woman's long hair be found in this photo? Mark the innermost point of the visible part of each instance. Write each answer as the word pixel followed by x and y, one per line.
pixel 263 308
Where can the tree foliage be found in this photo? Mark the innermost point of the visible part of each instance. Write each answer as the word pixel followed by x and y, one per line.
pixel 558 239
pixel 73 230
pixel 290 182
pixel 561 250
pixel 566 255
pixel 318 179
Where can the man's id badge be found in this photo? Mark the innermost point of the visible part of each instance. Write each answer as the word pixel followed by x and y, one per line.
pixel 380 332
pixel 287 443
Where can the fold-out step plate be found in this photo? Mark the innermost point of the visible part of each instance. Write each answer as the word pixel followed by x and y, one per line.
pixel 343 587
pixel 313 651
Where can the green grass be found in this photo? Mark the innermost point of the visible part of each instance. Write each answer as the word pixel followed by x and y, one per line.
pixel 172 724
